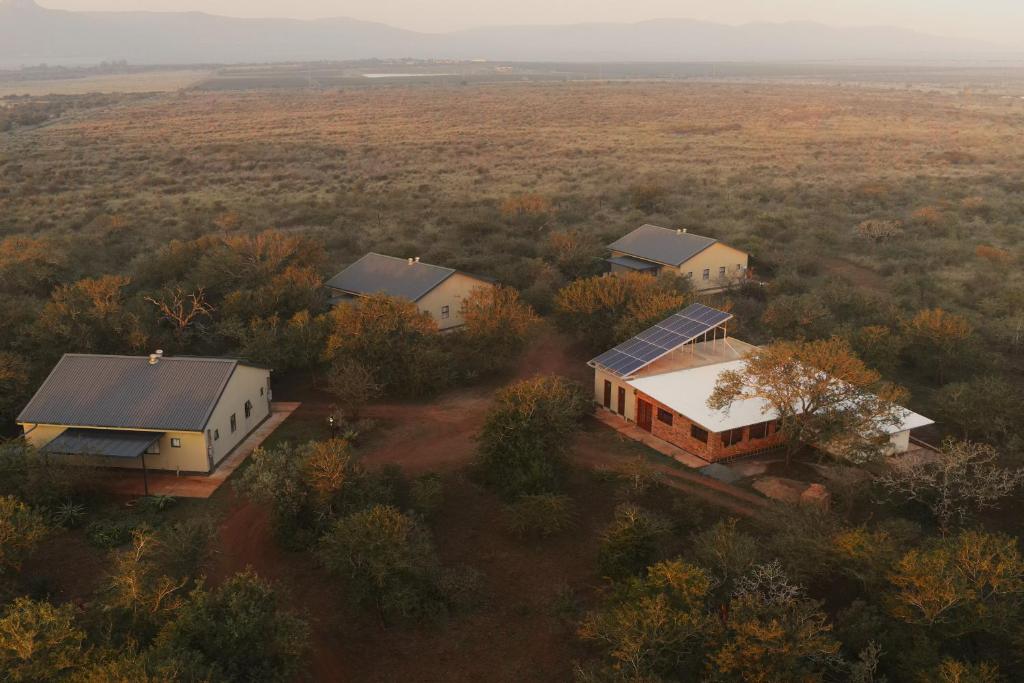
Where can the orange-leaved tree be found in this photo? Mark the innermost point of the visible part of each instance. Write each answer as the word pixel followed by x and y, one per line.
pixel 822 394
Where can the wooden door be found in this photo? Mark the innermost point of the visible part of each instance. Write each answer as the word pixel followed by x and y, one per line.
pixel 644 412
pixel 622 401
pixel 607 394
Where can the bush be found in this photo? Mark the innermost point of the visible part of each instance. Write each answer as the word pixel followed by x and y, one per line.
pixel 21 530
pixel 107 533
pixel 541 515
pixel 239 632
pixel 426 494
pixel 630 542
pixel 387 560
pixel 526 435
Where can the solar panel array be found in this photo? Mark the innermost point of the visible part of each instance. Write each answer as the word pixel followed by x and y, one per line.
pixel 645 348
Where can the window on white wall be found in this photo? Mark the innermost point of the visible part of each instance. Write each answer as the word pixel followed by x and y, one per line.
pixel 248 409
pixel 234 423
pixel 446 312
pixel 175 442
pixel 721 271
pixel 707 273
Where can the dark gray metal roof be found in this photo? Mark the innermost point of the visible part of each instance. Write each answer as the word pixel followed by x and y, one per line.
pixel 379 274
pixel 662 245
pixel 177 393
pixel 107 442
pixel 632 263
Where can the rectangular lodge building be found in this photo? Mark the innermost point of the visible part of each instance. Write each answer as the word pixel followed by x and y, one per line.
pixel 662 378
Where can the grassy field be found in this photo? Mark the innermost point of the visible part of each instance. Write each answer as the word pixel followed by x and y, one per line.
pixel 147 81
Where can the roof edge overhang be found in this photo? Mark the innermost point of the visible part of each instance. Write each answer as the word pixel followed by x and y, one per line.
pixel 110 428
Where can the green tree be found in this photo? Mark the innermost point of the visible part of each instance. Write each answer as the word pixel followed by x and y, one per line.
pixel 387 560
pixel 654 626
pixel 282 344
pixel 91 316
pixel 603 310
pixel 631 541
pixel 526 434
pixel 238 632
pixel 726 552
pixel 393 339
pixel 986 408
pixel 21 530
pixel 938 340
pixel 38 642
pixel 353 385
pixel 822 394
pixel 14 386
pixel 496 326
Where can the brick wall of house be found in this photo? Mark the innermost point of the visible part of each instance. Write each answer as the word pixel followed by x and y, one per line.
pixel 678 434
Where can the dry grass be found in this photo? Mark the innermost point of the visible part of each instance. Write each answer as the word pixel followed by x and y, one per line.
pixel 149 81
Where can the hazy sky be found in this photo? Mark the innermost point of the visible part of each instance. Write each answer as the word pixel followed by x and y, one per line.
pixel 994 20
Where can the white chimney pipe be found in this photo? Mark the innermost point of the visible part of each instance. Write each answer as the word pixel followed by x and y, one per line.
pixel 410 261
pixel 417 259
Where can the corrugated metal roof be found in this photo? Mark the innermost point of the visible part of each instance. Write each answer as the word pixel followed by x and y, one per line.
pixel 662 245
pixel 379 274
pixel 632 263
pixel 106 442
pixel 177 393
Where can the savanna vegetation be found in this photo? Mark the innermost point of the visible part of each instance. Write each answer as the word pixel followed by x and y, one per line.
pixel 885 228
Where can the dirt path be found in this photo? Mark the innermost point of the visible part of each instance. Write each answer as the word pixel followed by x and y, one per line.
pixel 598 448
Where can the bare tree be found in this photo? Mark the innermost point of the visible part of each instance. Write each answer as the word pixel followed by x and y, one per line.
pixel 181 309
pixel 964 478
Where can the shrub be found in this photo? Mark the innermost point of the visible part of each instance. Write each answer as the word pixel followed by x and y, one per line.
pixel 630 542
pixel 426 494
pixel 21 530
pixel 541 515
pixel 387 560
pixel 108 533
pixel 526 434
pixel 238 632
pixel 69 514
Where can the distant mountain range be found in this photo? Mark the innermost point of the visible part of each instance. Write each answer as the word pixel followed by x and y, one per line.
pixel 30 35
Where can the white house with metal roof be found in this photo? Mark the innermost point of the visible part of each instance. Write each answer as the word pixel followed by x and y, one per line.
pixel 435 290
pixel 662 378
pixel 181 414
pixel 706 262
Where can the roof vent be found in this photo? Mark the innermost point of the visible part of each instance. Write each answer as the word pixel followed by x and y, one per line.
pixel 411 260
pixel 417 259
pixel 681 231
pixel 154 358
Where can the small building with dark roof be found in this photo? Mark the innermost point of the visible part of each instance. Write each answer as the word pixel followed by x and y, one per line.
pixel 706 262
pixel 436 290
pixel 180 414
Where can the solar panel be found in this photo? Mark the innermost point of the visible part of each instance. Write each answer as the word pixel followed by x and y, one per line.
pixel 678 329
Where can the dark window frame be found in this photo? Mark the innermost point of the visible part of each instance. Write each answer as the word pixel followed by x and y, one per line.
pixel 665 416
pixel 175 442
pixel 248 409
pixel 760 430
pixel 233 422
pixel 699 433
pixel 446 312
pixel 732 437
